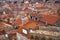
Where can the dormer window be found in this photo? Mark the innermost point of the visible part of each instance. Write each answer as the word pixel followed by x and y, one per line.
pixel 37 19
pixel 32 17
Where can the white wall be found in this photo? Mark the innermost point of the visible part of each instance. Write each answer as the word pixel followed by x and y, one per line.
pixel 21 37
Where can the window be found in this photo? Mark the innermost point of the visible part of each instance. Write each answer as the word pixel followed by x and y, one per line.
pixel 37 19
pixel 32 17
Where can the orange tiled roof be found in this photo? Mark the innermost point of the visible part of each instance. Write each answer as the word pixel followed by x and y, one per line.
pixel 50 19
pixel 31 24
pixel 55 8
pixel 41 5
pixel 18 22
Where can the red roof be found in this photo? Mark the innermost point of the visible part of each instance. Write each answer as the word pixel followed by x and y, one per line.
pixel 18 22
pixel 31 24
pixel 50 19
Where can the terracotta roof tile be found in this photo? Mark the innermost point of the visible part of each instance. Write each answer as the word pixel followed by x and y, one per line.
pixel 18 22
pixel 50 19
